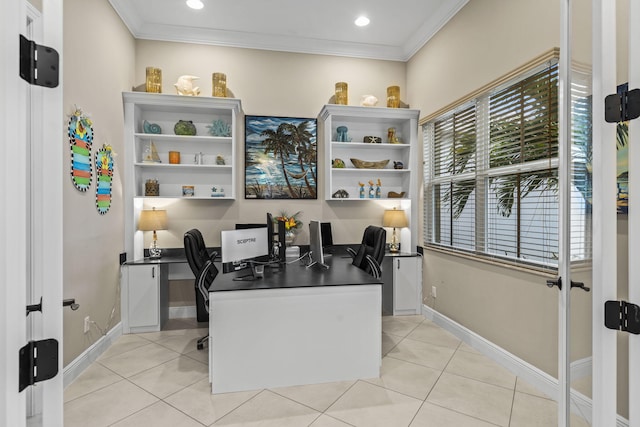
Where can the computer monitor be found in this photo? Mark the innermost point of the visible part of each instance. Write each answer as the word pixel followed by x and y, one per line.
pixel 315 244
pixel 276 240
pixel 242 247
pixel 327 238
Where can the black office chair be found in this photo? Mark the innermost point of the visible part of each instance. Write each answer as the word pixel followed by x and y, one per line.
pixel 201 263
pixel 371 251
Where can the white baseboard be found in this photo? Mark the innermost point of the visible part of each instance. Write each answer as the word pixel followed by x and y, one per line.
pixel 182 312
pixel 542 381
pixel 90 355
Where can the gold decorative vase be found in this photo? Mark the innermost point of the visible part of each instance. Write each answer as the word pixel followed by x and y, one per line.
pixel 342 93
pixel 154 80
pixel 219 85
pixel 393 96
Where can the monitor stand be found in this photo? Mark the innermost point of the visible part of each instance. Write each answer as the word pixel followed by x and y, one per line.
pixel 312 263
pixel 256 272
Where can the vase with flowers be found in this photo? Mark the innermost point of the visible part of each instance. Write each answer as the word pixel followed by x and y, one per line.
pixel 292 225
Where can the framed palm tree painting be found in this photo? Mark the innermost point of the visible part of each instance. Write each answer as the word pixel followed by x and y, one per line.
pixel 280 158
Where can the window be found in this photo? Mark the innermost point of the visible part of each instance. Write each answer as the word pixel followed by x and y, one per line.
pixel 491 168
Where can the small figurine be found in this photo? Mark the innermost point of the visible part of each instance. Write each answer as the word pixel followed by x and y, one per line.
pixel 361 189
pixel 378 184
pixel 337 163
pixel 185 127
pixel 342 134
pixel 215 192
pixel 184 86
pixel 340 194
pixel 371 190
pixel 151 127
pixel 391 136
pixel 398 165
pixel 220 160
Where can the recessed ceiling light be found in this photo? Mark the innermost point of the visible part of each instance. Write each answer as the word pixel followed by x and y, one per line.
pixel 362 21
pixel 195 4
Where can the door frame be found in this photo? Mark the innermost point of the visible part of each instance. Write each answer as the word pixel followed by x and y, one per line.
pixel 13 223
pixel 22 234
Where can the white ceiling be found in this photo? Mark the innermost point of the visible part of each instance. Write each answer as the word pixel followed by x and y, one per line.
pixel 398 28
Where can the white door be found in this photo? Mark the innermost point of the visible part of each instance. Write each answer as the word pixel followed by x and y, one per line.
pixel 608 396
pixel 31 120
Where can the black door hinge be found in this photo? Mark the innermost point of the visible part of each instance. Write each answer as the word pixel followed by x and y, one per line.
pixel 38 362
pixel 622 106
pixel 622 316
pixel 39 65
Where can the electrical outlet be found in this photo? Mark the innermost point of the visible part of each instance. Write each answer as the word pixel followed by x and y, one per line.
pixel 87 324
pixel 433 291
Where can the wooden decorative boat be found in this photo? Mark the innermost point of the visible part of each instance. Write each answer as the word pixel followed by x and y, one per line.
pixel 363 164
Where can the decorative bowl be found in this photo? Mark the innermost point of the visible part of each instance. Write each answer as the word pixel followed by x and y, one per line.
pixel 394 195
pixel 364 164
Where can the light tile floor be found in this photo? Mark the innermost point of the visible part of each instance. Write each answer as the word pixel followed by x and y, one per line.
pixel 428 378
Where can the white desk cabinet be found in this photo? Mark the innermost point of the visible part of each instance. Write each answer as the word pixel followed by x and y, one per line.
pixel 144 297
pixel 402 289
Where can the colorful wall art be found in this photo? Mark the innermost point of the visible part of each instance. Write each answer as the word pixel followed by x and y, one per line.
pixel 80 133
pixel 104 178
pixel 280 158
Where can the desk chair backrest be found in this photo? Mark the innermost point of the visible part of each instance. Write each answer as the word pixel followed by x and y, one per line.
pixel 373 244
pixel 201 263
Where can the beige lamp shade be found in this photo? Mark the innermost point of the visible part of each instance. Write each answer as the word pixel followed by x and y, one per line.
pixel 152 220
pixel 394 218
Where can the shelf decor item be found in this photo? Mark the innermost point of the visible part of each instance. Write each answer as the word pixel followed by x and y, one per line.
pixel 343 136
pixel 280 158
pixel 174 157
pixel 341 194
pixel 219 128
pixel 185 127
pixel 104 176
pixel 219 82
pixel 217 192
pixel 363 164
pixel 361 184
pixel 372 139
pixel 394 195
pixel 378 191
pixel 151 127
pixel 151 188
pixel 151 154
pixel 342 93
pixel 372 193
pixel 398 165
pixel 338 163
pixel 391 136
pixel 188 191
pixel 393 97
pixel 153 80
pixel 185 87
pixel 153 220
pixel 368 101
pixel 397 219
pixel 80 132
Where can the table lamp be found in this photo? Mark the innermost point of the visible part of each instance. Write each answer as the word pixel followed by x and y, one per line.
pixel 153 220
pixel 396 219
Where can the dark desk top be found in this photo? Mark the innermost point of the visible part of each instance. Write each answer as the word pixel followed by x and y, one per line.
pixel 340 273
